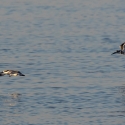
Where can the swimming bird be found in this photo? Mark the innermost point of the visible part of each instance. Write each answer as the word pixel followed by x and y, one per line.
pixel 15 95
pixel 11 73
pixel 122 51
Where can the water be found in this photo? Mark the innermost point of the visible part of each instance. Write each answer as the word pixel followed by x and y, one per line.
pixel 64 49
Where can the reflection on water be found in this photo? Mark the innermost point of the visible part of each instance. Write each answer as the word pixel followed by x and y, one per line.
pixel 64 49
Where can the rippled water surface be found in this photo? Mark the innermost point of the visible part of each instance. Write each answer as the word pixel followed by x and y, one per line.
pixel 64 48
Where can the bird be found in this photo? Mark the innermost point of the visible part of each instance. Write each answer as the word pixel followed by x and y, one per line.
pixel 11 73
pixel 15 95
pixel 121 51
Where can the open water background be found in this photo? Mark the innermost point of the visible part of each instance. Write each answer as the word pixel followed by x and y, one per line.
pixel 64 48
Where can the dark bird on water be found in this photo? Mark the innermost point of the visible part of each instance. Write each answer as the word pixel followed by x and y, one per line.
pixel 121 51
pixel 11 73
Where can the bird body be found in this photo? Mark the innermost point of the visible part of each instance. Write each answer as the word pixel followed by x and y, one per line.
pixel 122 47
pixel 11 73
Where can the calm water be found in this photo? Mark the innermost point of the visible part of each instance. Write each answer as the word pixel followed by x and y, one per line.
pixel 64 48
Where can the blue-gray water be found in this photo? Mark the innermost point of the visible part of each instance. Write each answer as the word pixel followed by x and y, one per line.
pixel 64 48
